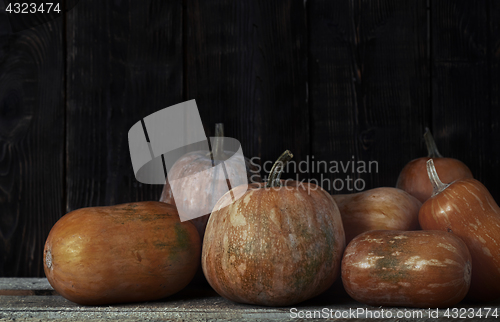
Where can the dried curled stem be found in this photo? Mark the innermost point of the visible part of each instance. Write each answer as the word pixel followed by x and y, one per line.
pixel 277 169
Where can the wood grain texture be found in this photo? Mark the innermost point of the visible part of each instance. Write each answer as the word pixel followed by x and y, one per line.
pixel 196 303
pixel 31 143
pixel 492 151
pixel 329 79
pixel 369 85
pixel 124 63
pixel 246 66
pixel 461 92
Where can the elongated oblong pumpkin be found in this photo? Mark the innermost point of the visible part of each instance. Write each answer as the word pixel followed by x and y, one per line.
pixel 407 268
pixel 126 253
pixel 276 245
pixel 467 209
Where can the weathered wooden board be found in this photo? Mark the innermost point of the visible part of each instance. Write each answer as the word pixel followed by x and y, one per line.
pixel 202 304
pixel 246 66
pixel 463 115
pixel 369 87
pixel 492 151
pixel 31 142
pixel 333 80
pixel 124 63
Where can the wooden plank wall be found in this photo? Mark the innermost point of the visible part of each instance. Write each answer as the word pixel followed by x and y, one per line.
pixel 31 143
pixel 124 63
pixel 334 80
pixel 246 66
pixel 369 85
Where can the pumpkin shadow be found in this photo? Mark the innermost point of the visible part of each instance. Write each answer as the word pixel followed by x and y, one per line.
pixel 336 294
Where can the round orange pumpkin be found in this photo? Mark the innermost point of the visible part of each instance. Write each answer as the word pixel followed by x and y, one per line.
pixel 278 244
pixel 198 188
pixel 382 208
pixel 126 253
pixel 414 180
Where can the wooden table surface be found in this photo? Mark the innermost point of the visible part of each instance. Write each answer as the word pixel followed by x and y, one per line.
pixel 33 299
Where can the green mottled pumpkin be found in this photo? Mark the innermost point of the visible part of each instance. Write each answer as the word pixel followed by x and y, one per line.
pixel 279 244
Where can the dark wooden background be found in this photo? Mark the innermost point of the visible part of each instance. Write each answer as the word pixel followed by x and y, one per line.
pixel 329 79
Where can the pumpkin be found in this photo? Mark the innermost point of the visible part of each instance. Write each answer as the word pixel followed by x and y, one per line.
pixel 198 188
pixel 125 253
pixel 377 209
pixel 278 244
pixel 407 268
pixel 414 180
pixel 467 209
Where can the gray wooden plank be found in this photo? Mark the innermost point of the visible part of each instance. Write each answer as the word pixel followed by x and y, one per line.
pixel 23 283
pixel 201 304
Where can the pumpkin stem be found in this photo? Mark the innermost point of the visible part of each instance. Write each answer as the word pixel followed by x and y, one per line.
pixel 277 169
pixel 432 149
pixel 218 149
pixel 437 185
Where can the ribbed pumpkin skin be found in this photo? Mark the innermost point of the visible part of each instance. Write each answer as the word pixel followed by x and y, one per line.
pixel 126 253
pixel 198 188
pixel 414 179
pixel 467 209
pixel 273 246
pixel 377 209
pixel 407 268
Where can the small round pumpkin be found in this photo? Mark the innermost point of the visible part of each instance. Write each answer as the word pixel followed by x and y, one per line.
pixel 414 180
pixel 126 253
pixel 381 208
pixel 278 244
pixel 198 188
